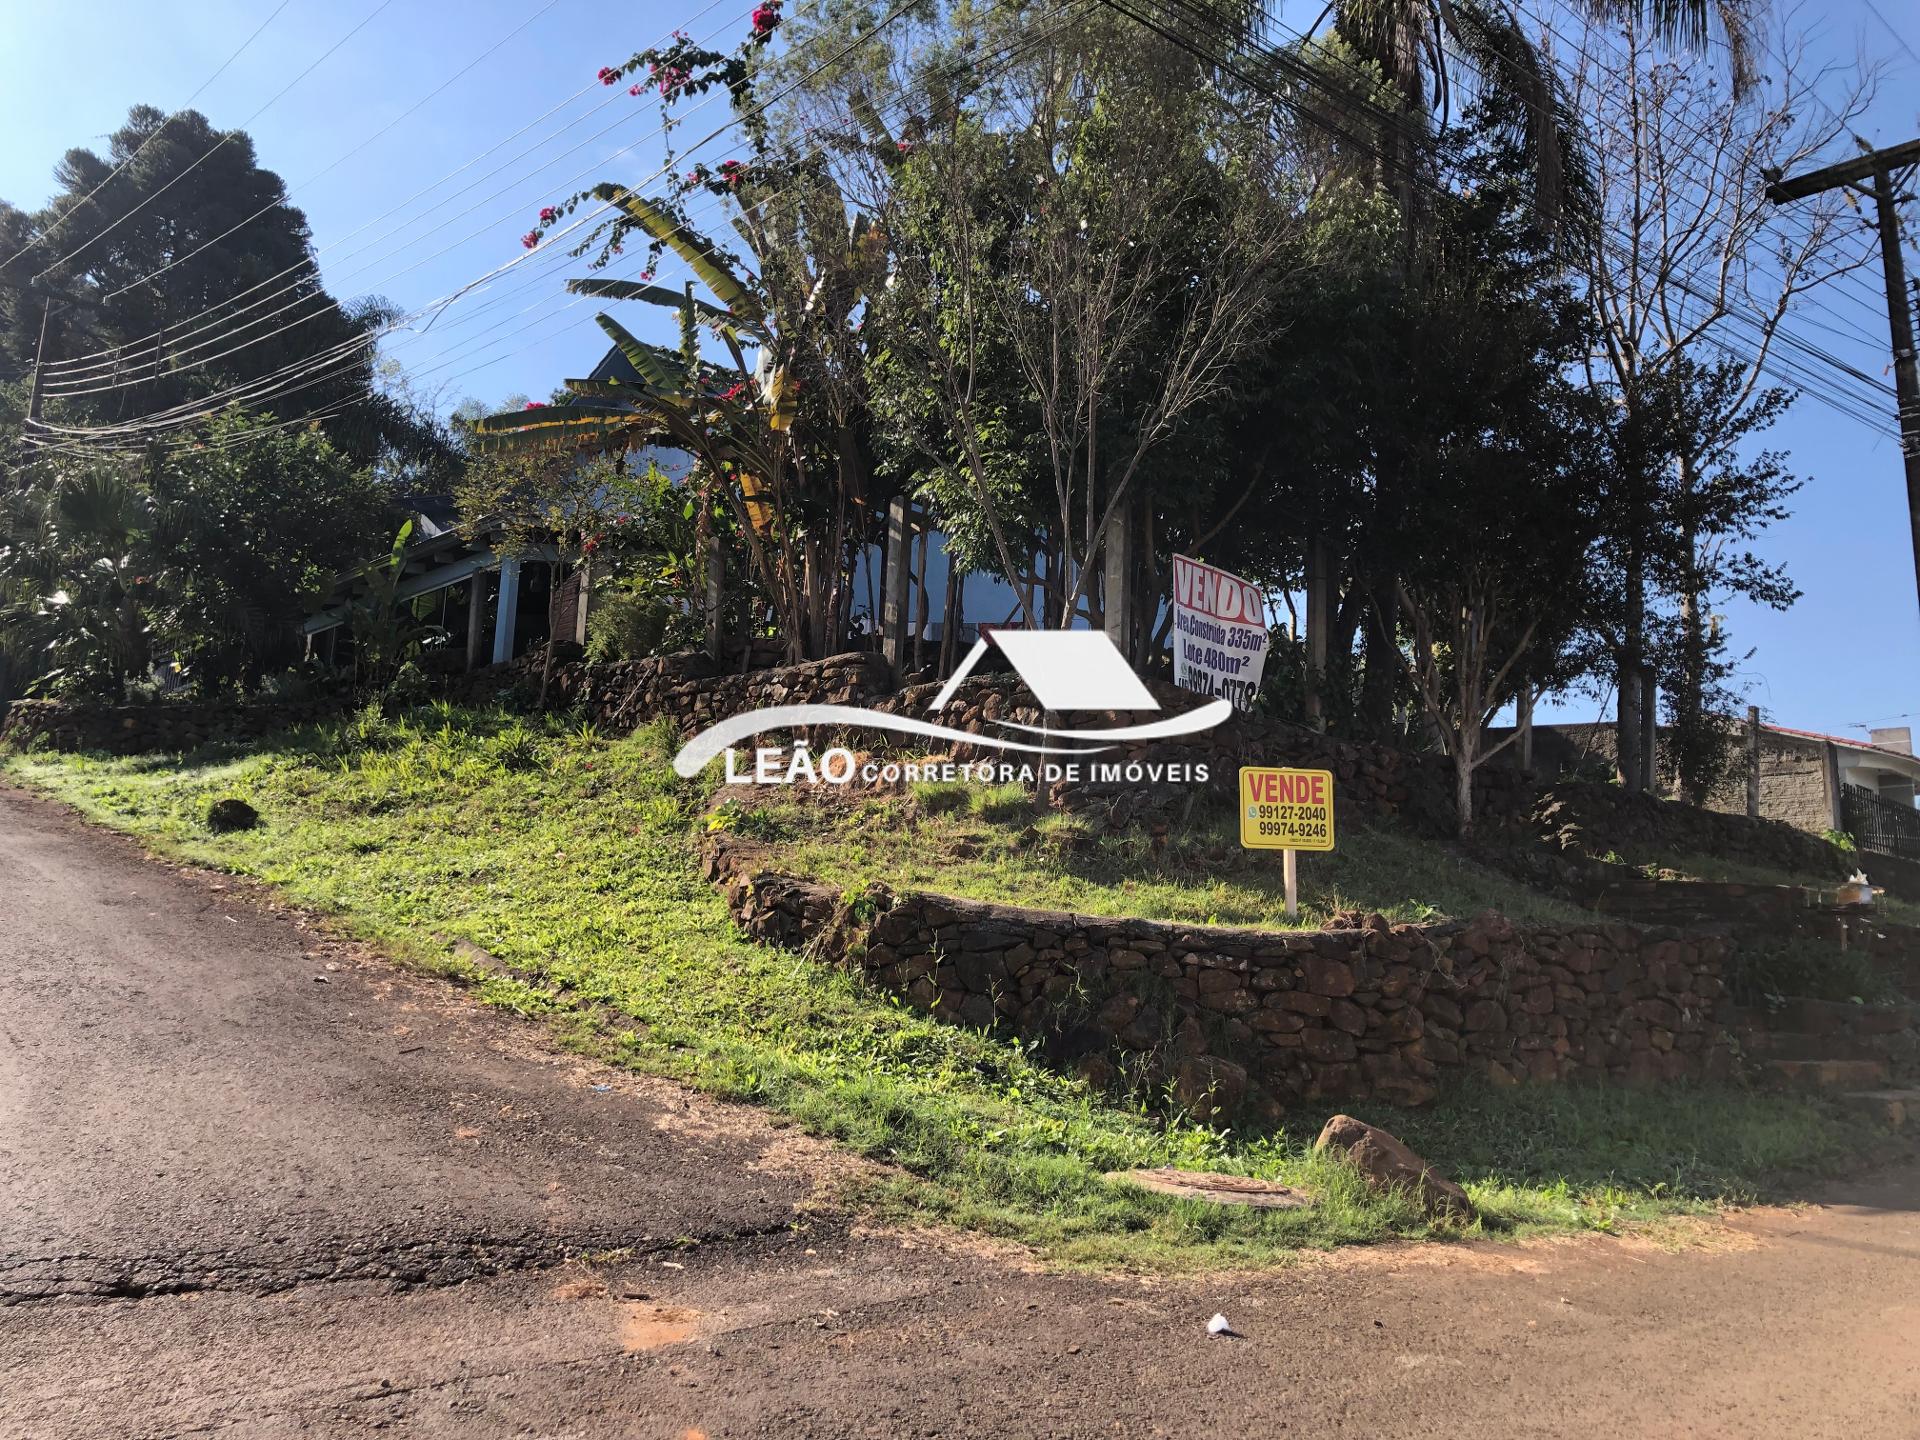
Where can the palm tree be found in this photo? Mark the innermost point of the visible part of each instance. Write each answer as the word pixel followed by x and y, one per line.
pixel 1411 42
pixel 78 578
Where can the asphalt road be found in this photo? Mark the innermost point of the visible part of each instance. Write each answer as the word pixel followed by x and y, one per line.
pixel 237 1199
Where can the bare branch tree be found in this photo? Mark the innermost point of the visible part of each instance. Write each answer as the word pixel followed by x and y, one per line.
pixel 1690 261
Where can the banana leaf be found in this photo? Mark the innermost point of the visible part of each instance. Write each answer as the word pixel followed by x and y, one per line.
pixel 603 288
pixel 660 368
pixel 726 288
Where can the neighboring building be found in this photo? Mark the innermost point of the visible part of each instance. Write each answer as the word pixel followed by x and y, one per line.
pixel 496 606
pixel 1810 780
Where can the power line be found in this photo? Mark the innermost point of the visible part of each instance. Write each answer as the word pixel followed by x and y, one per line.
pixel 225 139
pixel 73 377
pixel 84 200
pixel 1898 38
pixel 346 356
pixel 252 391
pixel 1794 372
pixel 320 174
pixel 76 381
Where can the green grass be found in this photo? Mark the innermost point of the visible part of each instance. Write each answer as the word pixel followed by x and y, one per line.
pixel 991 844
pixel 1739 872
pixel 1766 973
pixel 570 856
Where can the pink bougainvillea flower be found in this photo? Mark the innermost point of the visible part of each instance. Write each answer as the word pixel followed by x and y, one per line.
pixel 905 147
pixel 608 75
pixel 633 89
pixel 646 274
pixel 766 15
pixel 535 405
pixel 548 214
pixel 530 239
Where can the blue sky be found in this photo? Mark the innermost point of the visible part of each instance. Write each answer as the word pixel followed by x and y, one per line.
pixel 1848 654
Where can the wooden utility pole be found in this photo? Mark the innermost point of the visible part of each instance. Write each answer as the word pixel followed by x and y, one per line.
pixel 1878 167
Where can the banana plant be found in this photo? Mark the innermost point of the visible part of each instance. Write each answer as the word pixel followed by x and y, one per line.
pixel 792 473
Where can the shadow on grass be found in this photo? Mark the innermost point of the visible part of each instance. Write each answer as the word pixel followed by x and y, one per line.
pixel 1694 1143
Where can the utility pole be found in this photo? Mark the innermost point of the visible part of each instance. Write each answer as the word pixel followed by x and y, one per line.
pixel 1878 167
pixel 39 366
pixel 40 357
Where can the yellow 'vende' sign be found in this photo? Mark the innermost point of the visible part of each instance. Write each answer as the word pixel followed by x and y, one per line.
pixel 1286 809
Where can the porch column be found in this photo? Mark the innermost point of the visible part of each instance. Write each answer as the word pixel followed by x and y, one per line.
pixel 507 612
pixel 899 562
pixel 583 589
pixel 1836 807
pixel 476 619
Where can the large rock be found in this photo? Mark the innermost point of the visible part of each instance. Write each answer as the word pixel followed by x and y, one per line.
pixel 1389 1165
pixel 231 814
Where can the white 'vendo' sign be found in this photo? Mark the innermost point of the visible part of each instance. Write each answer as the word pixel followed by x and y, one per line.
pixel 1219 632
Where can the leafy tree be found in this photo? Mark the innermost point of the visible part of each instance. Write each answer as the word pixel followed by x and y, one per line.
pixel 782 444
pixel 1691 255
pixel 77 560
pixel 193 222
pixel 285 512
pixel 1721 496
pixel 1505 454
pixel 203 558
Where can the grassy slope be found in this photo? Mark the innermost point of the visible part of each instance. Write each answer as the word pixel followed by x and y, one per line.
pixel 570 856
pixel 990 845
pixel 1708 867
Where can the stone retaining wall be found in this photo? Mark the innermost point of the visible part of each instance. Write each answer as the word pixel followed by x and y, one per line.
pixel 162 725
pixel 693 690
pixel 1233 1016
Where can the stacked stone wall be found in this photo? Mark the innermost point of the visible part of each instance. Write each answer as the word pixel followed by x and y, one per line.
pixel 1233 1017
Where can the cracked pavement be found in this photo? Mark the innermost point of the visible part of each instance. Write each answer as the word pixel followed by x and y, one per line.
pixel 256 1183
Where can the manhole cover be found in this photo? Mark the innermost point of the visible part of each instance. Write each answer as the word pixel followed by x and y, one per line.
pixel 1220 1189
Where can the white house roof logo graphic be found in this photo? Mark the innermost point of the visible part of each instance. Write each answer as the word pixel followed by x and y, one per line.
pixel 1065 670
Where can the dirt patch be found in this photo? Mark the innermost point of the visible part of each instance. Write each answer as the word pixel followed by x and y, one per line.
pixel 649 1327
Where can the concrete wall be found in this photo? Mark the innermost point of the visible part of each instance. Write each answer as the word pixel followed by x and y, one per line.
pixel 1793 784
pixel 1793 781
